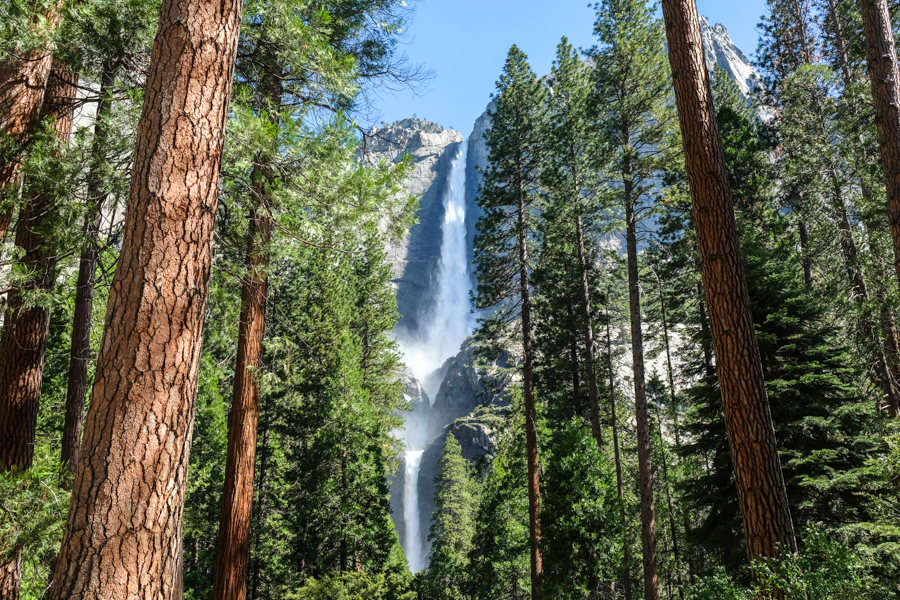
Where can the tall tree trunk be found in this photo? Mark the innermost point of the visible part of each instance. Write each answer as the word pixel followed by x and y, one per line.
pixel 671 377
pixel 23 341
pixel 23 82
pixel 648 512
pixel 534 489
pixel 804 251
pixel 573 356
pixel 261 505
pixel 626 570
pixel 80 347
pixel 751 434
pixel 237 499
pixel 884 76
pixel 122 538
pixel 589 336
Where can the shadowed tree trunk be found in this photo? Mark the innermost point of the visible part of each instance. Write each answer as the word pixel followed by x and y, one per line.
pixel 237 500
pixel 751 434
pixel 884 76
pixel 123 535
pixel 589 336
pixel 23 341
pixel 626 561
pixel 534 489
pixel 648 512
pixel 80 348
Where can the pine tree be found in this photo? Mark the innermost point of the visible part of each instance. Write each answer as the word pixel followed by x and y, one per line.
pixel 452 524
pixel 508 196
pixel 632 86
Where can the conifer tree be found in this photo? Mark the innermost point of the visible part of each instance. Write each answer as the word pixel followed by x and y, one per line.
pixel 635 119
pixel 504 250
pixel 452 524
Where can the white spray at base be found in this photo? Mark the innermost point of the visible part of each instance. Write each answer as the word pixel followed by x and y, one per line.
pixel 442 332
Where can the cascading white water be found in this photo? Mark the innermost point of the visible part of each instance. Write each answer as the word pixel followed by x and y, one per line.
pixel 450 321
pixel 441 334
pixel 411 511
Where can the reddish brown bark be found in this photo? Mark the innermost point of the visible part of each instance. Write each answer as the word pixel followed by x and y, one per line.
pixel 237 500
pixel 626 561
pixel 648 511
pixel 589 337
pixel 884 76
pixel 23 342
pixel 534 486
pixel 23 81
pixel 123 535
pixel 751 434
pixel 80 348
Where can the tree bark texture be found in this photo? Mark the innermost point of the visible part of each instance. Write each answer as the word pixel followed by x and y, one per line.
pixel 80 348
pixel 626 561
pixel 233 545
pixel 751 434
pixel 23 81
pixel 534 486
pixel 884 76
pixel 648 512
pixel 23 342
pixel 589 337
pixel 123 535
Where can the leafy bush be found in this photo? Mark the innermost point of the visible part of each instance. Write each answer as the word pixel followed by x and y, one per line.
pixel 354 586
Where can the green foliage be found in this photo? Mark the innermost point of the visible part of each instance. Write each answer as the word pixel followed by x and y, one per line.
pixel 452 524
pixel 352 586
pixel 580 514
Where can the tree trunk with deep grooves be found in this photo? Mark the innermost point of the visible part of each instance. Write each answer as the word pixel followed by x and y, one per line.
pixel 626 561
pixel 534 486
pixel 80 347
pixel 23 81
pixel 884 76
pixel 23 342
pixel 648 512
pixel 751 434
pixel 233 545
pixel 589 337
pixel 122 538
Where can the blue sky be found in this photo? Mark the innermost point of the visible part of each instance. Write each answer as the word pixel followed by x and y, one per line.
pixel 465 42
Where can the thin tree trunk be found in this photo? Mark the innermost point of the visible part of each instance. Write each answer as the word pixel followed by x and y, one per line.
pixel 534 496
pixel 626 575
pixel 804 251
pixel 589 336
pixel 23 342
pixel 884 76
pixel 671 377
pixel 261 505
pixel 237 499
pixel 122 538
pixel 648 511
pixel 841 42
pixel 573 355
pixel 80 348
pixel 751 433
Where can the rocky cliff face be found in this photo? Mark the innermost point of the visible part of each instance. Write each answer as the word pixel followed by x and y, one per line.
pixel 415 260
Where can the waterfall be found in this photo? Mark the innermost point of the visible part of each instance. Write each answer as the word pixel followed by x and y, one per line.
pixel 443 330
pixel 450 321
pixel 411 511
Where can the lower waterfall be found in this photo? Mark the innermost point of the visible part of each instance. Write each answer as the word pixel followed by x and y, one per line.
pixel 414 554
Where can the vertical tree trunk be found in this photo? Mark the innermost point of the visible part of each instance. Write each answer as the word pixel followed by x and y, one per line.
pixel 122 539
pixel 589 336
pixel 648 512
pixel 626 574
pixel 751 434
pixel 23 342
pixel 237 499
pixel 573 356
pixel 884 76
pixel 534 486
pixel 23 81
pixel 804 251
pixel 80 348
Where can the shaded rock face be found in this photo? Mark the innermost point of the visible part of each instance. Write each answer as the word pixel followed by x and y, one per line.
pixel 415 260
pixel 718 49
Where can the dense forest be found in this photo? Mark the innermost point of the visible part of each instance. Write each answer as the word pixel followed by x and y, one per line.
pixel 200 390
